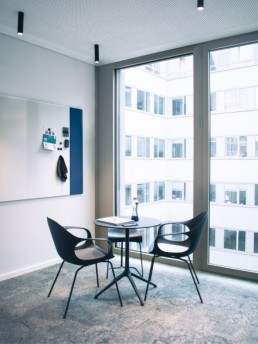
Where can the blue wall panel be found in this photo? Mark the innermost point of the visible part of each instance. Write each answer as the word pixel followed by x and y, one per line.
pixel 76 152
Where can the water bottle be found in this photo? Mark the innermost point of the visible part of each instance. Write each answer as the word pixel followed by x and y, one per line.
pixel 135 203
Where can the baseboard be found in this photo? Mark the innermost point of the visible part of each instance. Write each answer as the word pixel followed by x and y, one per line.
pixel 29 269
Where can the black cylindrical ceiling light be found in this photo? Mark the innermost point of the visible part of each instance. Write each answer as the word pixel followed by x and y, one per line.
pixel 20 23
pixel 96 49
pixel 200 5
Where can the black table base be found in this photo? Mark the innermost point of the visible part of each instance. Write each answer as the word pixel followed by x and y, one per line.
pixel 127 273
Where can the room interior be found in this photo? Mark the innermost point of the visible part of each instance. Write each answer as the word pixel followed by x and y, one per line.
pixel 54 62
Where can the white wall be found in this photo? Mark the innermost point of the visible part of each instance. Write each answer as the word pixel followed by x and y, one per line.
pixel 35 73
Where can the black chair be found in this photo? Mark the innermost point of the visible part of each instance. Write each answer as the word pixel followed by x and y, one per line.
pixel 165 246
pixel 118 236
pixel 79 251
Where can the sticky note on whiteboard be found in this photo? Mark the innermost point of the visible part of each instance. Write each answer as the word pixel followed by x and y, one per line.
pixel 49 142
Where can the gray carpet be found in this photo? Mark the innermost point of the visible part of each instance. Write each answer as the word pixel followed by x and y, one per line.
pixel 172 313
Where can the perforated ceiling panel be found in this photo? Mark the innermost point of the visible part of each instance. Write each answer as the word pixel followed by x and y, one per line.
pixel 125 29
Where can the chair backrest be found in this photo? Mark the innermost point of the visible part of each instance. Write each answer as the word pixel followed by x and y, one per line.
pixel 193 236
pixel 196 226
pixel 64 241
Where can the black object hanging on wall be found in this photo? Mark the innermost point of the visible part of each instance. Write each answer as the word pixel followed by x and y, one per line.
pixel 61 169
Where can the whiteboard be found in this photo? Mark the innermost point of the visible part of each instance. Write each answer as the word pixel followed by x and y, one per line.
pixel 27 170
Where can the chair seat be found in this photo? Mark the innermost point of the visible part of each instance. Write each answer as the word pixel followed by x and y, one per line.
pixel 169 249
pixel 93 252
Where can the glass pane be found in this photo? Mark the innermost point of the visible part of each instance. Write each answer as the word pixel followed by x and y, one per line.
pixel 159 123
pixel 128 145
pixel 128 97
pixel 234 158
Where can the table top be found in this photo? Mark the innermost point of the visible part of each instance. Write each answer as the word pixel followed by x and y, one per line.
pixel 144 222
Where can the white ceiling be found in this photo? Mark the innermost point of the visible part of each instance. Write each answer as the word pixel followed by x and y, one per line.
pixel 125 29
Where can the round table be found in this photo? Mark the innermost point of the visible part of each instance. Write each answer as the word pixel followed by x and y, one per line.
pixel 144 222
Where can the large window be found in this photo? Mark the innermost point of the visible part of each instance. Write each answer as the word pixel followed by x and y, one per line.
pixel 160 151
pixel 153 138
pixel 234 124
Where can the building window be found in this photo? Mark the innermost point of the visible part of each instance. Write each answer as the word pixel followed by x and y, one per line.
pixel 140 147
pixel 178 191
pixel 147 147
pixel 243 146
pixel 128 96
pixel 255 242
pixel 231 146
pixel 242 197
pixel 128 146
pixel 159 148
pixel 212 237
pixel 143 101
pixel 178 106
pixel 212 193
pixel 256 146
pixel 143 147
pixel 213 101
pixel 159 105
pixel 255 194
pixel 235 194
pixel 159 191
pixel 213 147
pixel 230 100
pixel 241 241
pixel 128 195
pixel 231 196
pixel 177 228
pixel 247 98
pixel 230 239
pixel 153 68
pixel 234 240
pixel 178 149
pixel 143 193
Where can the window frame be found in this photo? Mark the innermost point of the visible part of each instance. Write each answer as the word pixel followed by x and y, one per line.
pixel 201 121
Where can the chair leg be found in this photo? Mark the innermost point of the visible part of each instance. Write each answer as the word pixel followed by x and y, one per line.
pixel 114 276
pixel 196 286
pixel 197 280
pixel 121 261
pixel 69 298
pixel 141 258
pixel 149 278
pixel 132 267
pixel 97 274
pixel 60 268
pixel 107 270
pixel 122 253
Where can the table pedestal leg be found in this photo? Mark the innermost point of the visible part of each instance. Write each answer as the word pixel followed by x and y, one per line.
pixel 126 273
